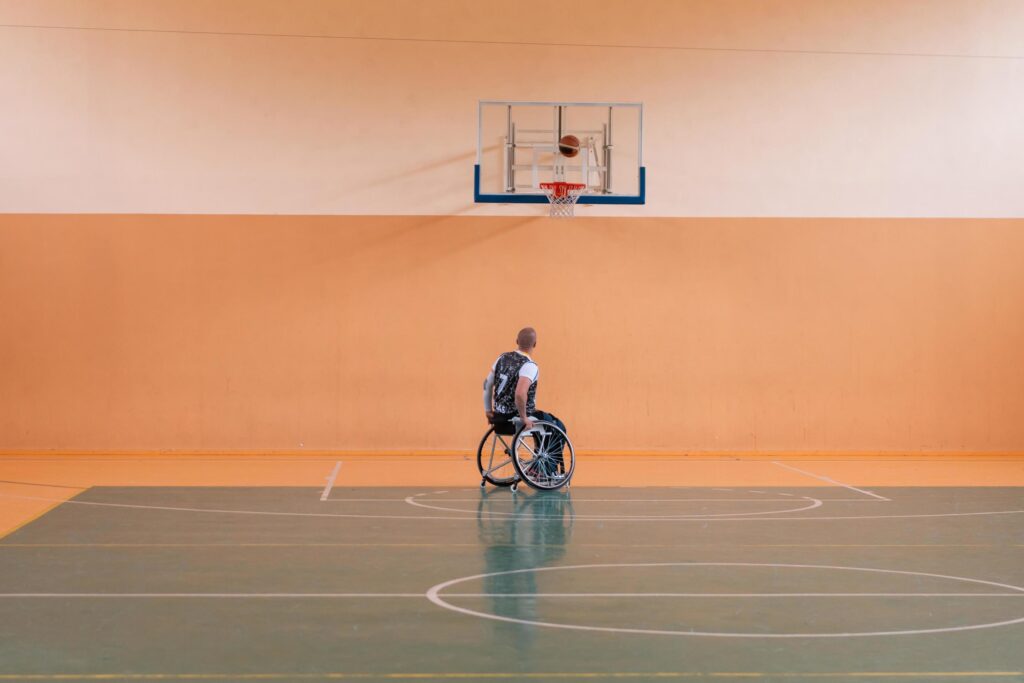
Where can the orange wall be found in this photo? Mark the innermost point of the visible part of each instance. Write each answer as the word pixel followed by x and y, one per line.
pixel 785 108
pixel 356 332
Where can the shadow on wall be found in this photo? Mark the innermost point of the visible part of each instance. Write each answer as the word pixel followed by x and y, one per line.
pixel 418 245
pixel 447 177
pixel 399 176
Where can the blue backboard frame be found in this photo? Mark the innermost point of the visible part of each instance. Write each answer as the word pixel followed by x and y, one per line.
pixel 523 198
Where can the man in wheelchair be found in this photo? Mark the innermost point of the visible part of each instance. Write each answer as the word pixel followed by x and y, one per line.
pixel 510 390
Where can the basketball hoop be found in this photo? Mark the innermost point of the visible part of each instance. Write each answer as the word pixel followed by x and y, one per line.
pixel 563 197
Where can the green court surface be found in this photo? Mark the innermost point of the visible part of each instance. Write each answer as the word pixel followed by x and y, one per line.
pixel 242 584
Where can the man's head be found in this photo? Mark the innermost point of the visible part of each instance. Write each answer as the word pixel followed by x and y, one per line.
pixel 526 340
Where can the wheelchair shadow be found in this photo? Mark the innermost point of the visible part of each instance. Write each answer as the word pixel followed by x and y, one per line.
pixel 522 531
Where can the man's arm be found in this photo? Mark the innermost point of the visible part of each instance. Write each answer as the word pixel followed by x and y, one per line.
pixel 522 390
pixel 489 396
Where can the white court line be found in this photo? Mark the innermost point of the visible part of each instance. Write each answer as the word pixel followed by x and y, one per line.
pixel 434 594
pixel 733 595
pixel 357 596
pixel 814 503
pixel 612 500
pixel 212 595
pixel 330 482
pixel 466 516
pixel 831 481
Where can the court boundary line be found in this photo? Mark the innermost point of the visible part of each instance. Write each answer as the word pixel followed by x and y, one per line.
pixel 55 503
pixel 368 596
pixel 822 477
pixel 35 483
pixel 574 499
pixel 473 518
pixel 505 675
pixel 507 545
pixel 330 482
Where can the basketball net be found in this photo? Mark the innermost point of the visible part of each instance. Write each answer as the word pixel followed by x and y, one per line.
pixel 563 197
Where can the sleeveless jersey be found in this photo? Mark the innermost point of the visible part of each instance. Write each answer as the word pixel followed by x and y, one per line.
pixel 506 377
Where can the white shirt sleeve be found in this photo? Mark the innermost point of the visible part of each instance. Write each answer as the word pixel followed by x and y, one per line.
pixel 530 371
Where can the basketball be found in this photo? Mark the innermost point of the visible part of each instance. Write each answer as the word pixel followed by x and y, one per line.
pixel 569 146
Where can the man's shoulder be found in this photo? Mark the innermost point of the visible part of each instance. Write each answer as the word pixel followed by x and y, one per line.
pixel 530 370
pixel 515 358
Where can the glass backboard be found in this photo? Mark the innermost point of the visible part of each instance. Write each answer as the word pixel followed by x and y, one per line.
pixel 523 144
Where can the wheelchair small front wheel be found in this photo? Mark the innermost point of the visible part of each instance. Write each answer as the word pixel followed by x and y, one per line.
pixel 494 459
pixel 543 456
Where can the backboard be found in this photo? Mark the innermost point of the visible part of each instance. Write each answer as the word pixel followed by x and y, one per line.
pixel 518 149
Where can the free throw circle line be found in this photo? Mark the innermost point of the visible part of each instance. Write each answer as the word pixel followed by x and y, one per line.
pixel 814 503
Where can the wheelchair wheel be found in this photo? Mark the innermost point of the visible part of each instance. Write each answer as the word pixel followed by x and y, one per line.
pixel 543 456
pixel 494 459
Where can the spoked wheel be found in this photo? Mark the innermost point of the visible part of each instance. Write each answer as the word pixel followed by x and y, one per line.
pixel 494 459
pixel 543 456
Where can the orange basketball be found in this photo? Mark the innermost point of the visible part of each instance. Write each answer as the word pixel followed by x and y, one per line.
pixel 569 146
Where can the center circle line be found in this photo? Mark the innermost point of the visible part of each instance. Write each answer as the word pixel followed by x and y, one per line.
pixel 433 594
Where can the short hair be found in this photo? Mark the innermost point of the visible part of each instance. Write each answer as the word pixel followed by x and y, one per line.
pixel 527 338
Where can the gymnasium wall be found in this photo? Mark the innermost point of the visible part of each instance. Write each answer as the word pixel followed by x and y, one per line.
pixel 782 107
pixel 373 332
pixel 262 242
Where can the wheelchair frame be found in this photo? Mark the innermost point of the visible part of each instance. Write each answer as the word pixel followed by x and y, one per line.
pixel 537 464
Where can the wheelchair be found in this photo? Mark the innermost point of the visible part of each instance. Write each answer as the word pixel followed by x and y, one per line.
pixel 542 456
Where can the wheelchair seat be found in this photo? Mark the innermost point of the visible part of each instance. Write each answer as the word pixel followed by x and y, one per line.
pixel 506 427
